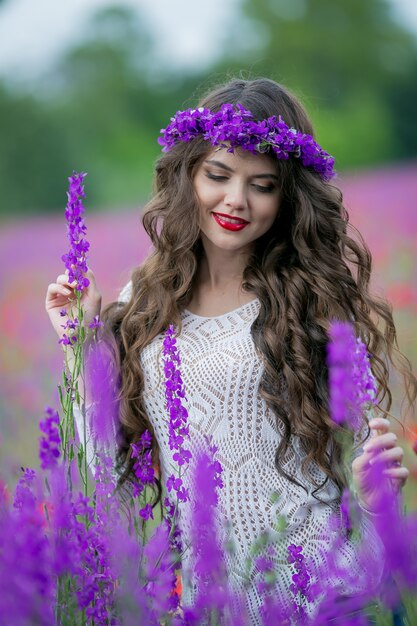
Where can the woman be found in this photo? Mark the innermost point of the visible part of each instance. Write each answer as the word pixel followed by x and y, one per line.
pixel 252 260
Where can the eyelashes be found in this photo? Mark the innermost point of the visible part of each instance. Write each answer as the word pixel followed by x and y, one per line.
pixel 260 188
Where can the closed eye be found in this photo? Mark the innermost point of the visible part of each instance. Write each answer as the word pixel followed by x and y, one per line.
pixel 213 177
pixel 261 188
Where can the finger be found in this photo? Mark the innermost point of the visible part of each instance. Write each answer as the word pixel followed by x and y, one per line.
pixel 388 440
pixel 393 454
pixel 62 279
pixel 54 289
pixel 90 275
pixel 398 477
pixel 361 462
pixel 380 423
pixel 397 472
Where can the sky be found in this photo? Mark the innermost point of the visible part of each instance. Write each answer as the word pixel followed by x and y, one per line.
pixel 34 32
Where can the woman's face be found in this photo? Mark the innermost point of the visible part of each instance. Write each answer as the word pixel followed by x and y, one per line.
pixel 242 188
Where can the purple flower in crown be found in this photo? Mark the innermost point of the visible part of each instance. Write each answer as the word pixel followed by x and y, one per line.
pixel 351 383
pixel 50 441
pixel 75 259
pixel 235 125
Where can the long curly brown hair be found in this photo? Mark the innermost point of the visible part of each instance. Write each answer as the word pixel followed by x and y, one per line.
pixel 310 267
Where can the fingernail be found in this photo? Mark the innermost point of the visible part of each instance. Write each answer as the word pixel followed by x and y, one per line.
pixel 66 291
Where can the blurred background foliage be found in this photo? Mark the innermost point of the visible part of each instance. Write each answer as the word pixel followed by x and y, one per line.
pixel 101 107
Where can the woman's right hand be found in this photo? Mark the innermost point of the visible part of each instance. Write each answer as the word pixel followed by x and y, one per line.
pixel 61 295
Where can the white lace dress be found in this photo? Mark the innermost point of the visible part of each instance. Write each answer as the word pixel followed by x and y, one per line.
pixel 222 372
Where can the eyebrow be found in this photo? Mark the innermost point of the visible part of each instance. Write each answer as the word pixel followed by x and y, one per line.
pixel 229 169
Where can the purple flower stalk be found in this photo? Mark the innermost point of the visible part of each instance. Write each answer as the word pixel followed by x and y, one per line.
pixel 159 572
pixel 273 609
pixel 237 127
pixel 75 259
pixel 265 565
pixel 96 323
pixel 210 571
pixel 102 379
pixel 351 384
pixel 67 340
pixel 178 432
pixel 24 496
pixel 397 531
pixel 171 523
pixel 178 429
pixel 27 578
pixel 300 586
pixel 143 470
pixel 97 579
pixel 50 441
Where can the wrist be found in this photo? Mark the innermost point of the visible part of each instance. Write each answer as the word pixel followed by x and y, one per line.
pixel 364 507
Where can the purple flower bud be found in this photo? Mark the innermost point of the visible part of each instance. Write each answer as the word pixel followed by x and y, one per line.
pixel 67 341
pixel 50 442
pixel 351 384
pixel 75 259
pixel 96 323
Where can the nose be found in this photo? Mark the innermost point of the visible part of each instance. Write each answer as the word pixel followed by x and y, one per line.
pixel 236 197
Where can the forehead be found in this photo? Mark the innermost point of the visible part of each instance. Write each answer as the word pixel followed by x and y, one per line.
pixel 243 159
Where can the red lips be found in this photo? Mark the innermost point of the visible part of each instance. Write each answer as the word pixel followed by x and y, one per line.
pixel 228 225
pixel 233 217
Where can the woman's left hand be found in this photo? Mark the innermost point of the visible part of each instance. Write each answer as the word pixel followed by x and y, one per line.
pixel 383 452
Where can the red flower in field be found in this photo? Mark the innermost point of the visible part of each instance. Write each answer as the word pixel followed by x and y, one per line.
pixel 178 587
pixel 402 295
pixel 46 509
pixel 415 446
pixel 4 493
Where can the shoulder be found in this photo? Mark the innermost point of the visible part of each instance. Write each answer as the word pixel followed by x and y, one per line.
pixel 125 293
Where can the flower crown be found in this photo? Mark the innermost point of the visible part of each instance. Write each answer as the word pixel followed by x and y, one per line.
pixel 239 129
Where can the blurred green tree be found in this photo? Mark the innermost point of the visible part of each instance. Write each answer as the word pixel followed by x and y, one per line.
pixel 350 62
pixel 113 100
pixel 102 107
pixel 33 157
pixel 104 100
pixel 99 110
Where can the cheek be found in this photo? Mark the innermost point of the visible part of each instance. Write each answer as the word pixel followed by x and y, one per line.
pixel 202 192
pixel 270 211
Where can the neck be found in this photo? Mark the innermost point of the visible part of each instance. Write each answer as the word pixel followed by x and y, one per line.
pixel 221 270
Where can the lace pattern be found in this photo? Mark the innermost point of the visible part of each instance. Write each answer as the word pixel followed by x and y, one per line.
pixel 222 372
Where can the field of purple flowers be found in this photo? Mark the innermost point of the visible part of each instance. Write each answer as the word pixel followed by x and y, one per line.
pixel 380 205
